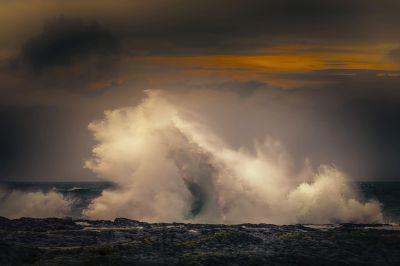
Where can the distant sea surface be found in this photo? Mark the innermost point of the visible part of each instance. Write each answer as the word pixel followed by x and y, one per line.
pixel 387 193
pixel 82 193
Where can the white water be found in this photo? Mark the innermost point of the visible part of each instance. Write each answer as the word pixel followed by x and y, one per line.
pixel 170 165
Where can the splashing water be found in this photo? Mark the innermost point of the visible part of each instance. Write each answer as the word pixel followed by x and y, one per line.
pixel 170 167
pixel 37 204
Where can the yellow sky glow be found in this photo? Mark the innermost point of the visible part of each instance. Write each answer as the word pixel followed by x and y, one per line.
pixel 281 60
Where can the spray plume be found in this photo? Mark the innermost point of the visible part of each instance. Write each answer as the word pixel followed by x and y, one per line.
pixel 169 165
pixel 37 204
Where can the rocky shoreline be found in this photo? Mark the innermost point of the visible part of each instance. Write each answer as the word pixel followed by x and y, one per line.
pixel 52 241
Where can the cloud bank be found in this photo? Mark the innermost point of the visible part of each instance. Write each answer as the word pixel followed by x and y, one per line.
pixel 171 165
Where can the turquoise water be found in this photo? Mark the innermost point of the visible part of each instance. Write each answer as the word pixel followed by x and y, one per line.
pixel 388 193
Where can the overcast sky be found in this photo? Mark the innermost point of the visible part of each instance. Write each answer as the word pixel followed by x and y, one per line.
pixel 323 76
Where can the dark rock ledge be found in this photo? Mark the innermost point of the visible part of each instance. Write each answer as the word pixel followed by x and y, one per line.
pixel 52 241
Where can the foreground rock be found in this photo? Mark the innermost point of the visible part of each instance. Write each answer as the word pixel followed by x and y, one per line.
pixel 53 241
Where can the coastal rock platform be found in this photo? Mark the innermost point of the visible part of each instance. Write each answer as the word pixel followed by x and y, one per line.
pixel 52 241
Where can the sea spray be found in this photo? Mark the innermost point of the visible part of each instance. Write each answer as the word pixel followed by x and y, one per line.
pixel 38 204
pixel 171 166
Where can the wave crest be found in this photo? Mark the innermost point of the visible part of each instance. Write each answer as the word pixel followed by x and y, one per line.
pixel 170 166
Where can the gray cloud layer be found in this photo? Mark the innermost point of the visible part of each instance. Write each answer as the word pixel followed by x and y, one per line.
pixel 63 76
pixel 65 40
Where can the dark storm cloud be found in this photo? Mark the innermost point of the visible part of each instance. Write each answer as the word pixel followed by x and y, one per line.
pixel 68 54
pixel 64 41
pixel 186 27
pixel 78 56
pixel 211 27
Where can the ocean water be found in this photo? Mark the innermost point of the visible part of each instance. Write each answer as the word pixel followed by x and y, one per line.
pixel 82 193
pixel 388 193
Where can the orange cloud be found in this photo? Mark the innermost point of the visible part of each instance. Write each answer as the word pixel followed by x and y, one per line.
pixel 280 60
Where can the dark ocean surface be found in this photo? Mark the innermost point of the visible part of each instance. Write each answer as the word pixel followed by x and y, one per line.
pixel 388 193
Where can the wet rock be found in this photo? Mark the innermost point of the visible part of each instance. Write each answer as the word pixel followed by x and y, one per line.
pixel 32 224
pixel 52 241
pixel 127 222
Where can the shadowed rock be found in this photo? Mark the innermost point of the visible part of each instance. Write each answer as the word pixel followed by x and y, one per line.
pixel 55 241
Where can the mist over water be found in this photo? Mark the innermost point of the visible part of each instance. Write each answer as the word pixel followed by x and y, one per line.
pixel 170 164
pixel 37 204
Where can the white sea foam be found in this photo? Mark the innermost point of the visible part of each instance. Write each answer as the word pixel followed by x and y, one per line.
pixel 170 165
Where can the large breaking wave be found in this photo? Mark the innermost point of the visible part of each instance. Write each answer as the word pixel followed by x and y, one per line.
pixel 171 166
